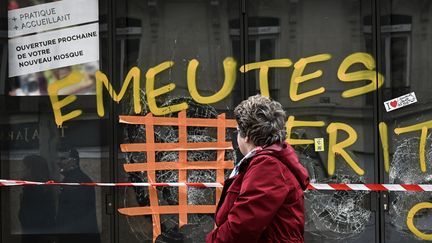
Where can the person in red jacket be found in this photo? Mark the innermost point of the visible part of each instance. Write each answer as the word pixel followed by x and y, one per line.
pixel 263 200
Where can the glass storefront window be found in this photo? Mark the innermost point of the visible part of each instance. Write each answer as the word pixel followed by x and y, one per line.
pixel 144 91
pixel 405 31
pixel 52 53
pixel 313 36
pixel 183 41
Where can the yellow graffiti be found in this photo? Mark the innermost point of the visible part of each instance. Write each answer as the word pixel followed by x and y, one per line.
pixel 53 88
pixel 383 131
pixel 338 148
pixel 422 146
pixel 263 73
pixel 101 79
pixel 377 79
pixel 152 93
pixel 229 82
pixel 230 77
pixel 297 77
pixel 291 123
pixel 423 127
pixel 410 220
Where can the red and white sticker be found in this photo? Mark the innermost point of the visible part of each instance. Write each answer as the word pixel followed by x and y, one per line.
pixel 400 101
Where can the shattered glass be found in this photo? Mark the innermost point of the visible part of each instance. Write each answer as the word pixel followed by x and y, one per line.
pixel 332 215
pixel 337 215
pixel 198 224
pixel 405 169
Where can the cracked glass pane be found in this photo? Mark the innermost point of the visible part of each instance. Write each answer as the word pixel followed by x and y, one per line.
pixel 198 224
pixel 337 215
pixel 332 215
pixel 405 169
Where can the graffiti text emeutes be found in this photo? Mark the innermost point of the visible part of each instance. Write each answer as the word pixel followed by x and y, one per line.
pixel 230 67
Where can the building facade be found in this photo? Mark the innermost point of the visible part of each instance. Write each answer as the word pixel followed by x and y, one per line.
pixel 144 91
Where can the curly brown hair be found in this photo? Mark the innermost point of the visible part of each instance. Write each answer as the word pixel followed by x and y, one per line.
pixel 262 120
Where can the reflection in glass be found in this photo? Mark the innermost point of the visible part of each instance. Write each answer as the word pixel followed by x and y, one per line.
pixel 37 203
pixel 298 30
pixel 406 61
pixel 76 212
pixel 178 32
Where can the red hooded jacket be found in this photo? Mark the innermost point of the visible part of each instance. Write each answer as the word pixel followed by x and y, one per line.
pixel 264 202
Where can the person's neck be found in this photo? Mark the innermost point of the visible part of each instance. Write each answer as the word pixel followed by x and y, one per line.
pixel 249 148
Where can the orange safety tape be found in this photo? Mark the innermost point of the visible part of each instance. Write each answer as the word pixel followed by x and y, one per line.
pixel 182 165
pixel 172 121
pixel 182 129
pixel 191 165
pixel 142 147
pixel 221 135
pixel 171 209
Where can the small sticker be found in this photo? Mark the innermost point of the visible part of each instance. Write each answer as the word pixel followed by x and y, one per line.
pixel 400 101
pixel 319 144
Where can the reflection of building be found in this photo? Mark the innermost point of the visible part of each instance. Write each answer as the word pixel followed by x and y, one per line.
pixel 3 51
pixel 147 33
pixel 28 136
pixel 396 52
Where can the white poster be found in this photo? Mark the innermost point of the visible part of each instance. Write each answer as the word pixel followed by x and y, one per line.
pixel 53 49
pixel 400 101
pixel 49 16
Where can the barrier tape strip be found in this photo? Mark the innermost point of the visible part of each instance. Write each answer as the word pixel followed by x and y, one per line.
pixel 312 186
